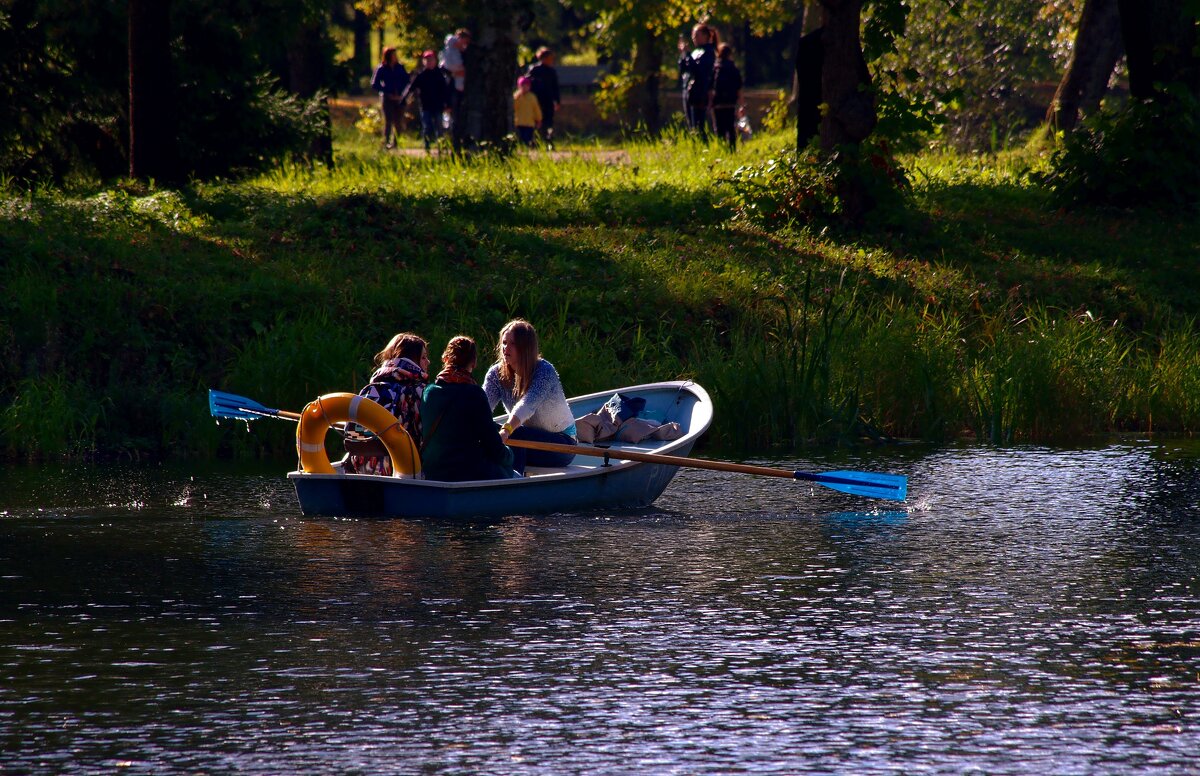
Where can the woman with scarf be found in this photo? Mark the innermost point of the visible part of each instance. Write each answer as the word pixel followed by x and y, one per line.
pixel 461 440
pixel 398 383
pixel 530 390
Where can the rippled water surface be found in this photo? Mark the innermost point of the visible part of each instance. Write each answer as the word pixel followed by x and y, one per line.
pixel 1031 610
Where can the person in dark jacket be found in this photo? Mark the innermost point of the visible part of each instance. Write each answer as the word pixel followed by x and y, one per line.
pixel 461 439
pixel 545 88
pixel 391 81
pixel 727 95
pixel 434 87
pixel 696 70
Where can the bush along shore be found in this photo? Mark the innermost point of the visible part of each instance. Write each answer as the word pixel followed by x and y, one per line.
pixel 974 308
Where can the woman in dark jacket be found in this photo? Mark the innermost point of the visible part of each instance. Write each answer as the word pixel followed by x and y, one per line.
pixel 727 95
pixel 461 439
pixel 391 79
pixel 696 69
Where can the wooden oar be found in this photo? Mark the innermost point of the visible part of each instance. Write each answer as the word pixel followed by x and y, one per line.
pixel 888 486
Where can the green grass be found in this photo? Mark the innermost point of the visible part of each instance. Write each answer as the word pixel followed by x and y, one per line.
pixel 980 310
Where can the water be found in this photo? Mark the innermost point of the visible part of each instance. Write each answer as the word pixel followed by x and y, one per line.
pixel 1032 610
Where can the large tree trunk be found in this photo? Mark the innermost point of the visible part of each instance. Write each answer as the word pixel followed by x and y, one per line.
pixel 307 75
pixel 491 63
pixel 845 81
pixel 849 116
pixel 362 46
pixel 152 144
pixel 1096 51
pixel 647 64
pixel 1160 44
pixel 797 29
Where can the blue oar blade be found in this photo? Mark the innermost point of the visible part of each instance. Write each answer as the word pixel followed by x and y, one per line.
pixel 888 486
pixel 228 405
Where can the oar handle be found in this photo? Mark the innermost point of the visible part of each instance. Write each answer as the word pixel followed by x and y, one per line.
pixel 666 460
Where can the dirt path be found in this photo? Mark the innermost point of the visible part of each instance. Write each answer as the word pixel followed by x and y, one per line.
pixel 608 156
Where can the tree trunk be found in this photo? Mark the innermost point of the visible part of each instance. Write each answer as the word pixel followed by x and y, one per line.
pixel 307 75
pixel 362 46
pixel 1160 43
pixel 845 81
pixel 798 28
pixel 849 116
pixel 152 144
pixel 647 63
pixel 497 71
pixel 1096 51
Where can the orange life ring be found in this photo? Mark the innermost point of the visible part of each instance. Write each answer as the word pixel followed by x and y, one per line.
pixel 332 408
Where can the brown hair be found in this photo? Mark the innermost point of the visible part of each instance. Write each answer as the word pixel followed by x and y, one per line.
pixel 725 51
pixel 460 353
pixel 462 32
pixel 544 52
pixel 713 37
pixel 524 337
pixel 383 58
pixel 403 345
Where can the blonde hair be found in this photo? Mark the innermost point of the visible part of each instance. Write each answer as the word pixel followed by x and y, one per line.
pixel 460 353
pixel 524 338
pixel 403 345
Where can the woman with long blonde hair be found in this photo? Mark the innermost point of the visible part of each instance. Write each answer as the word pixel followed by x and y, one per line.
pixel 529 388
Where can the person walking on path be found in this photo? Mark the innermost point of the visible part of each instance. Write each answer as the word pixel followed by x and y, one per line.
pixel 696 69
pixel 527 112
pixel 391 81
pixel 727 96
pixel 434 91
pixel 545 88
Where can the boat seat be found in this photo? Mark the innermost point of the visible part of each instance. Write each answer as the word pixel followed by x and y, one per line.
pixel 539 471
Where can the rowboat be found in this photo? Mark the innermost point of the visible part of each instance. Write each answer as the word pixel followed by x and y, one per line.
pixel 588 483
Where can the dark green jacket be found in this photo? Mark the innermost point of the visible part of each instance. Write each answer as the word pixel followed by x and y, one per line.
pixel 461 440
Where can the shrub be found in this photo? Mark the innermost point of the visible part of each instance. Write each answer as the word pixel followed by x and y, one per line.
pixel 1143 153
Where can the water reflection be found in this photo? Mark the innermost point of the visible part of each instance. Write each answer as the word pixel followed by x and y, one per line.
pixel 1033 609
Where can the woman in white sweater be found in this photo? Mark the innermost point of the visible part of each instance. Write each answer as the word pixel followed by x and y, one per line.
pixel 528 387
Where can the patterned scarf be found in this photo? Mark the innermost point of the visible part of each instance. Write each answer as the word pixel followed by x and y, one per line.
pixel 452 374
pixel 401 370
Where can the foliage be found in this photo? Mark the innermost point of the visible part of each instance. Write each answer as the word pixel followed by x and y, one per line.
pixel 778 113
pixel 1142 153
pixel 972 61
pixel 788 190
pixel 64 87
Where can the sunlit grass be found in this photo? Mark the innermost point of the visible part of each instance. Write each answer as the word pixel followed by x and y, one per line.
pixel 978 310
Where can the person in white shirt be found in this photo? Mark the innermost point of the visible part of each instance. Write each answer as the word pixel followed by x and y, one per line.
pixel 452 62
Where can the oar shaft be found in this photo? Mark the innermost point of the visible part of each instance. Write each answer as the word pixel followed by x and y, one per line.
pixel 667 460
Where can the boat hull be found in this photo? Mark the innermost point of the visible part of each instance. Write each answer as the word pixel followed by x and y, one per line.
pixel 590 483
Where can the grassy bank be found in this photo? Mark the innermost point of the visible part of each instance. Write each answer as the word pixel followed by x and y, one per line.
pixel 981 311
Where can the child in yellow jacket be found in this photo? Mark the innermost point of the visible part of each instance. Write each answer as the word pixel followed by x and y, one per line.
pixel 527 114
